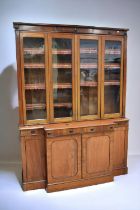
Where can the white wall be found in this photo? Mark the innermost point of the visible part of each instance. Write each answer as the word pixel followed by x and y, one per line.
pixel 111 13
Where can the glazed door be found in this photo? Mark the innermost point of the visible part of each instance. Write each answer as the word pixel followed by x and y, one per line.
pixel 63 158
pixel 35 77
pixel 97 154
pixel 88 76
pixel 62 101
pixel 112 76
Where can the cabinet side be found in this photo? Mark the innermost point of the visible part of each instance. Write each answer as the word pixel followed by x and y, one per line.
pixel 19 78
pixel 120 149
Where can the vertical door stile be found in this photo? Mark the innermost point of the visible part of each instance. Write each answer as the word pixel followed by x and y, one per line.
pixel 51 113
pixel 121 78
pixel 23 80
pixel 99 75
pixel 74 93
pixel 47 75
pixel 77 64
pixel 102 78
pixel 75 76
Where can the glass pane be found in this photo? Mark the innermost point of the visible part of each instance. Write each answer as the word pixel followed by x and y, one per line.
pixel 112 99
pixel 88 77
pixel 34 73
pixel 62 77
pixel 112 76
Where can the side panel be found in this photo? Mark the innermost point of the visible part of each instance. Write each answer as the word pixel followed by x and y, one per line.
pixel 19 78
pixel 120 150
pixel 33 160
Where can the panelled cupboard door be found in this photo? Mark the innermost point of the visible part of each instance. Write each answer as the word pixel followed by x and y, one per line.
pixel 35 85
pixel 112 76
pixel 88 76
pixel 62 74
pixel 120 147
pixel 97 154
pixel 63 158
pixel 33 158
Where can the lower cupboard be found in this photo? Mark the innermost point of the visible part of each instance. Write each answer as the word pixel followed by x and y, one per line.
pixel 77 157
pixel 60 159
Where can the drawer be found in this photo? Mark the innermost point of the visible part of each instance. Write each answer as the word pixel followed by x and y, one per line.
pixel 108 128
pixel 32 132
pixel 96 129
pixel 62 132
pixel 92 129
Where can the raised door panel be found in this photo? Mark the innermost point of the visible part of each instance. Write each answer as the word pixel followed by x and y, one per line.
pixel 33 153
pixel 97 154
pixel 64 158
pixel 120 148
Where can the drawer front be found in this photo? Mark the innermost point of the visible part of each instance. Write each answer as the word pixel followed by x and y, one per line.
pixel 70 131
pixel 62 132
pixel 32 132
pixel 92 129
pixel 108 128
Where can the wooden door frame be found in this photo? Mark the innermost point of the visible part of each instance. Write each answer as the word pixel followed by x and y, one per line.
pixel 34 35
pixel 84 152
pixel 49 142
pixel 88 37
pixel 112 38
pixel 64 119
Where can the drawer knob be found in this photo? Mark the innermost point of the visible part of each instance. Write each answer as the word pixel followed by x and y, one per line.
pixel 49 134
pixel 111 127
pixel 71 131
pixel 92 129
pixel 33 132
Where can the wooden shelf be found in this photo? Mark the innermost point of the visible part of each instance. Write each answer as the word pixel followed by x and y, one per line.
pixel 34 51
pixel 61 105
pixel 88 84
pixel 34 65
pixel 88 65
pixel 112 52
pixel 62 86
pixel 112 66
pixel 88 50
pixel 69 51
pixel 61 51
pixel 38 86
pixel 35 106
pixel 112 83
pixel 62 65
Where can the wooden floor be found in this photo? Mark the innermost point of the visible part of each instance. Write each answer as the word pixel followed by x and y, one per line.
pixel 122 194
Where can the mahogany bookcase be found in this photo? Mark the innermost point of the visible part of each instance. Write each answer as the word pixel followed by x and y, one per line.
pixel 72 98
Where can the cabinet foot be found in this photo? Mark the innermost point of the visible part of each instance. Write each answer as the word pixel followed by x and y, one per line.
pixel 34 185
pixel 120 171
